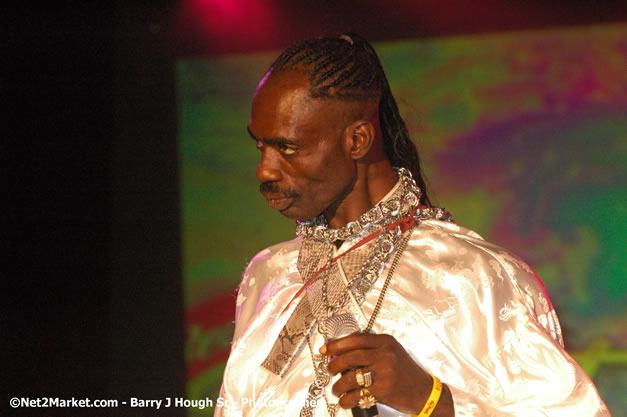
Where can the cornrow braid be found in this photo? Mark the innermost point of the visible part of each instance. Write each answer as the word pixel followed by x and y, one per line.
pixel 348 68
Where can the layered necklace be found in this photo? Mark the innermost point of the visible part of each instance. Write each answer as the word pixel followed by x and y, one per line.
pixel 380 232
pixel 317 235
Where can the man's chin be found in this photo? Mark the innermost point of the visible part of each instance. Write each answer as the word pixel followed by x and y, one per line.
pixel 294 213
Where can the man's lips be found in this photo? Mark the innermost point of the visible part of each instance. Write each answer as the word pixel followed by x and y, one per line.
pixel 279 202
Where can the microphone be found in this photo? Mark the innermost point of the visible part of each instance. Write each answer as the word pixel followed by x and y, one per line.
pixel 342 325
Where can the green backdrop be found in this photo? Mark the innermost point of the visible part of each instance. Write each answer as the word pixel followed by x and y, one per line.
pixel 523 137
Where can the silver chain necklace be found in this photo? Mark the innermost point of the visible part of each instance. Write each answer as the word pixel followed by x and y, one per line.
pixel 403 202
pixel 386 211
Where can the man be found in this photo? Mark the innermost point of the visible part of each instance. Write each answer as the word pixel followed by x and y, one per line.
pixel 381 304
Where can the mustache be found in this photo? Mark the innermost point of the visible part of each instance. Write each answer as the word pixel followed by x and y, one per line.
pixel 273 187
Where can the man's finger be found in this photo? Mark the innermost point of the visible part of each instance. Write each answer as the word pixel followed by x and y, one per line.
pixel 349 399
pixel 353 342
pixel 352 359
pixel 345 384
pixel 348 381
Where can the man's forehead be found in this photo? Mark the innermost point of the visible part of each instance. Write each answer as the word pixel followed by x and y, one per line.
pixel 281 96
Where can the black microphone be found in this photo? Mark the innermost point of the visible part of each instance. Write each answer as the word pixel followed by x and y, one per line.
pixel 342 325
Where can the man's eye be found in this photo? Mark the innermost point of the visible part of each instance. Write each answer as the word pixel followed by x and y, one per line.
pixel 287 150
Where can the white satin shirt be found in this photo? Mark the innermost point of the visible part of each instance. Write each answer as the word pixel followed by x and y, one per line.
pixel 466 310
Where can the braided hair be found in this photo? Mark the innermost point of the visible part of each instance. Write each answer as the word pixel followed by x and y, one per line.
pixel 347 68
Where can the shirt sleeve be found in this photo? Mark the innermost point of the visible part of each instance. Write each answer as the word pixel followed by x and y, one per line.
pixel 245 306
pixel 528 371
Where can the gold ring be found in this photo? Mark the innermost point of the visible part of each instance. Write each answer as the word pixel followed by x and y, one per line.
pixel 359 377
pixel 368 379
pixel 366 399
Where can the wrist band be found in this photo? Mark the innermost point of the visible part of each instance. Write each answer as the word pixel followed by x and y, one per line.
pixel 433 399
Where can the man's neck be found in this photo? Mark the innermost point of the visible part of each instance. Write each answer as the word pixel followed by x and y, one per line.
pixel 373 182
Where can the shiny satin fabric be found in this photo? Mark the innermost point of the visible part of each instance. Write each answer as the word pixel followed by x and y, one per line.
pixel 466 310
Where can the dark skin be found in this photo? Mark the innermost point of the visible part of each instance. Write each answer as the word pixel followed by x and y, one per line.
pixel 398 381
pixel 326 156
pixel 317 156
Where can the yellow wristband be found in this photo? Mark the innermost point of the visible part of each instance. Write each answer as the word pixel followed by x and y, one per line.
pixel 433 399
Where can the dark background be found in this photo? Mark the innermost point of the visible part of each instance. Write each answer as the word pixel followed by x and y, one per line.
pixel 92 289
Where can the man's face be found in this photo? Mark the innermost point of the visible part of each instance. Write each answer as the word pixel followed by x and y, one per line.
pixel 306 167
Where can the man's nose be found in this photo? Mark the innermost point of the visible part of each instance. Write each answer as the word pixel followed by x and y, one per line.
pixel 269 167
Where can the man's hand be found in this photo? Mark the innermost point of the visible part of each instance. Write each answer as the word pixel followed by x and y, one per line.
pixel 397 380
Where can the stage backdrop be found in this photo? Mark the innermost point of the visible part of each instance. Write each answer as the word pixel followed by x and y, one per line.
pixel 523 137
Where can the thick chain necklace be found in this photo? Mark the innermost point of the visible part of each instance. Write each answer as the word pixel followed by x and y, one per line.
pixel 385 212
pixel 403 201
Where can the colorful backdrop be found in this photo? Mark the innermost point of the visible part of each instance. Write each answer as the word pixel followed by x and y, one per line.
pixel 523 137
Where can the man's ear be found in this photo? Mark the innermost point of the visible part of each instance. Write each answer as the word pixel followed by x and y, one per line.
pixel 360 135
